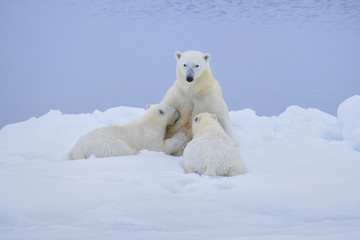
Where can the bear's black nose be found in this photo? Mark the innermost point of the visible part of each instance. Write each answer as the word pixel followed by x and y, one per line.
pixel 189 79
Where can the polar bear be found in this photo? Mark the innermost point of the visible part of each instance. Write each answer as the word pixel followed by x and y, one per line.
pixel 147 132
pixel 196 91
pixel 211 151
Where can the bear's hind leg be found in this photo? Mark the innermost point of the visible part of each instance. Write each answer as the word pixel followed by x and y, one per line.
pixel 112 148
pixel 210 171
pixel 236 170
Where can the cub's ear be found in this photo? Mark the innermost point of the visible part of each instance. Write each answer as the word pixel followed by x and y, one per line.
pixel 148 106
pixel 214 117
pixel 161 111
pixel 177 55
pixel 207 57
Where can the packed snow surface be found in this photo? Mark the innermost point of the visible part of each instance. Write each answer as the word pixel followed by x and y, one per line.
pixel 302 182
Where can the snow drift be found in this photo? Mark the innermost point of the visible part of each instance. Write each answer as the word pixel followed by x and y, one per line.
pixel 301 182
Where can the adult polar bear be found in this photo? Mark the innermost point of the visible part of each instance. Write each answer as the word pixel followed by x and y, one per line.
pixel 196 91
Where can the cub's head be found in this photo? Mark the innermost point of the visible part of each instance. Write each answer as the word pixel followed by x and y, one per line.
pixel 204 122
pixel 162 114
pixel 192 64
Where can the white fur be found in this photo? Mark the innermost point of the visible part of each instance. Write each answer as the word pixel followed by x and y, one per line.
pixel 211 151
pixel 147 132
pixel 202 94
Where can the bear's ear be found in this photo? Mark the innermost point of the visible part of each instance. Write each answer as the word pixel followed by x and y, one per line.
pixel 207 57
pixel 214 117
pixel 177 55
pixel 161 111
pixel 148 106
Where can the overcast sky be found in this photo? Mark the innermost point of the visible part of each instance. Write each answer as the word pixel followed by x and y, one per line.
pixel 78 56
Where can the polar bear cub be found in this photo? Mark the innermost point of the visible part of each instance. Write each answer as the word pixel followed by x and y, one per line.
pixel 195 91
pixel 147 132
pixel 211 151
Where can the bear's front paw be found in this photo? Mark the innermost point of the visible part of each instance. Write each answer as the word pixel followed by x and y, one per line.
pixel 171 145
pixel 179 138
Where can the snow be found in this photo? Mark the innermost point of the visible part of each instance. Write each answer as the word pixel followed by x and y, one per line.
pixel 301 183
pixel 75 55
pixel 348 121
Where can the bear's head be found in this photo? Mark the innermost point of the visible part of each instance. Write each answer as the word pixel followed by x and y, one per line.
pixel 204 122
pixel 162 114
pixel 192 64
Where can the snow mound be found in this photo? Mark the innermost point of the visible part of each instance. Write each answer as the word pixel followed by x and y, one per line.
pixel 294 122
pixel 301 182
pixel 349 121
pixel 50 136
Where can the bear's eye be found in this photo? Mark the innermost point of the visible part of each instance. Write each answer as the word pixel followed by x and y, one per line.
pixel 197 66
pixel 196 119
pixel 161 112
pixel 184 65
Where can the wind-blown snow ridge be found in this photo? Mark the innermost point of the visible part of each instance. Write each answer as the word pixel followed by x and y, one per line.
pixel 296 121
pixel 349 121
pixel 301 182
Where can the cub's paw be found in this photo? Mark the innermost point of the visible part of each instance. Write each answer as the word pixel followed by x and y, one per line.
pixel 179 138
